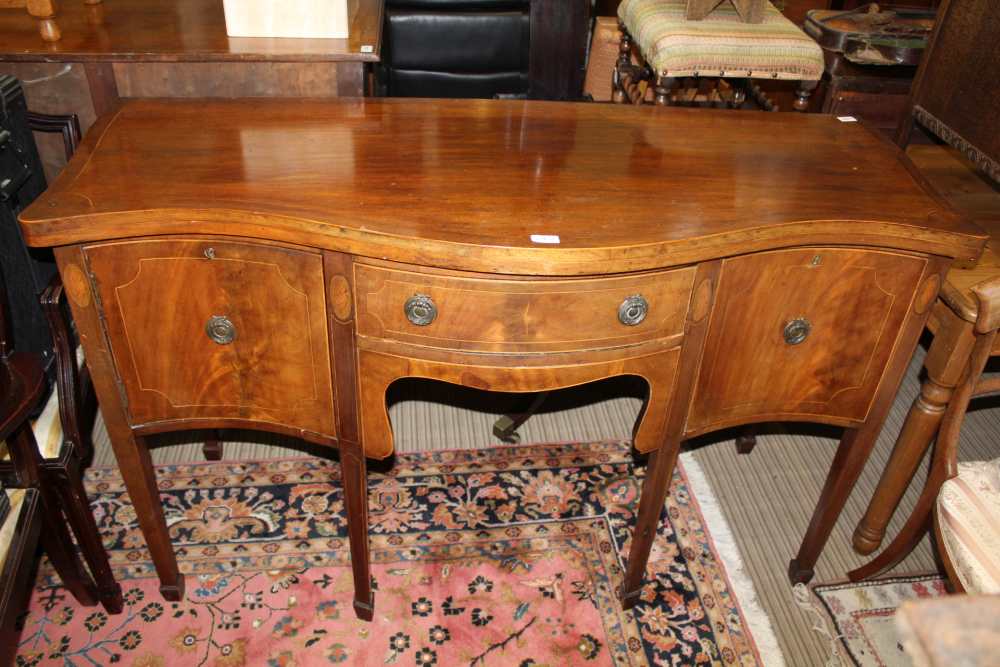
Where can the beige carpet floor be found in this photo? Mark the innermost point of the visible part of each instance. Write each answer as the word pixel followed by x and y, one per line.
pixel 767 496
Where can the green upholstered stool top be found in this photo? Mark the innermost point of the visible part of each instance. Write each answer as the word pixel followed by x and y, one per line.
pixel 720 44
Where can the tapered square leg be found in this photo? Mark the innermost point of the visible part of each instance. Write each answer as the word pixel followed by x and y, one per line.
pixel 352 463
pixel 659 472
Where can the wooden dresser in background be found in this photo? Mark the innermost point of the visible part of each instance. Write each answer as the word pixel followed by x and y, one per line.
pixel 174 48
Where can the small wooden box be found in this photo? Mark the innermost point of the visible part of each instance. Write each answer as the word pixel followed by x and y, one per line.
pixel 286 18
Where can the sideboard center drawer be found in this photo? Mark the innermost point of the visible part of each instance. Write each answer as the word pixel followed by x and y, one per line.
pixel 496 315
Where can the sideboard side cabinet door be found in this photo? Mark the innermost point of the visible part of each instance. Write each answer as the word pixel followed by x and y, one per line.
pixel 802 334
pixel 217 329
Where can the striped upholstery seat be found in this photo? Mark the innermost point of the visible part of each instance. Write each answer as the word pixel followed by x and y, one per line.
pixel 10 509
pixel 720 44
pixel 968 511
pixel 47 429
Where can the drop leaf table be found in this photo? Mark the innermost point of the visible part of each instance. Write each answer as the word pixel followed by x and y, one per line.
pixel 276 265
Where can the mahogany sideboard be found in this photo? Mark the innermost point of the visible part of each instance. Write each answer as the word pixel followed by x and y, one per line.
pixel 276 265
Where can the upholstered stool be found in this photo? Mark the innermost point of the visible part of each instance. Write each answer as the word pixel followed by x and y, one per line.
pixel 720 45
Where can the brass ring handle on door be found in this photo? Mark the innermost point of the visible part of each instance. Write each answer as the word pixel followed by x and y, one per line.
pixel 633 310
pixel 796 331
pixel 420 310
pixel 220 329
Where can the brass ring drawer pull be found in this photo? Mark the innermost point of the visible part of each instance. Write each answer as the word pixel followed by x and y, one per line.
pixel 796 331
pixel 220 329
pixel 633 310
pixel 420 310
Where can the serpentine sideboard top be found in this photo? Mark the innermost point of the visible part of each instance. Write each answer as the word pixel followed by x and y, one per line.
pixel 507 187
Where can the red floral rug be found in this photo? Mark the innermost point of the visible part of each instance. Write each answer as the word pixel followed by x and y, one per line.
pixel 506 556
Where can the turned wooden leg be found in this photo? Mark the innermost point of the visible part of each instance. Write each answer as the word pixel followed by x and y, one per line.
pixel 618 82
pixel 68 481
pixel 805 89
pixel 946 359
pixel 212 447
pixel 662 90
pixel 659 472
pixel 352 464
pixel 941 465
pixel 45 12
pixel 857 443
pixel 740 88
pixel 131 452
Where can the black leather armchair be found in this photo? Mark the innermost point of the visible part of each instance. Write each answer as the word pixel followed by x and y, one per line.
pixel 485 48
pixel 456 48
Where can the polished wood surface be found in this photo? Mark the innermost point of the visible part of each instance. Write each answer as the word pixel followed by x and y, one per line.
pixel 520 316
pixel 339 175
pixel 175 30
pixel 159 296
pixel 850 300
pixel 440 200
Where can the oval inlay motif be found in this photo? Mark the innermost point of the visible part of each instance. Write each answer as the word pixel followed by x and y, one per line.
pixel 702 300
pixel 340 298
pixel 76 284
pixel 928 292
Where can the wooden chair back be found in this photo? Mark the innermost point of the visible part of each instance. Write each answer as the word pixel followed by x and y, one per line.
pixel 956 93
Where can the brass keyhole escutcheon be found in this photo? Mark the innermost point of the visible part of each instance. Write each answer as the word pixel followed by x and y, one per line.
pixel 633 310
pixel 420 310
pixel 220 329
pixel 796 331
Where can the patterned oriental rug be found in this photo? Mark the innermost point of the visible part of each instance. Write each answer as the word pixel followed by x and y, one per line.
pixel 505 556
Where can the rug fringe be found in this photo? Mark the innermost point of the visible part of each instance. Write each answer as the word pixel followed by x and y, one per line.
pixel 718 528
pixel 803 599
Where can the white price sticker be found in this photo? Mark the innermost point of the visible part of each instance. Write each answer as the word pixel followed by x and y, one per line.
pixel 544 238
